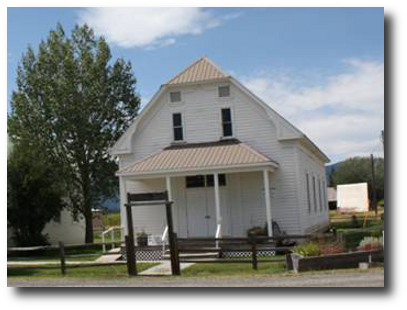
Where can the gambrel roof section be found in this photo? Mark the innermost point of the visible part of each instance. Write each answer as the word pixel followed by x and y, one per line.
pixel 205 71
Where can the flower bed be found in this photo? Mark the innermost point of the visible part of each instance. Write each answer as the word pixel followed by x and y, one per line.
pixel 299 263
pixel 332 254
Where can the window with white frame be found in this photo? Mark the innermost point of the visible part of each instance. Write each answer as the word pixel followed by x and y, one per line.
pixel 224 91
pixel 308 193
pixel 227 129
pixel 175 96
pixel 177 127
pixel 314 187
pixel 320 195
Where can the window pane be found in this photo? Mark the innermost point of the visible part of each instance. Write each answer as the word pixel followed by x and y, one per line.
pixel 210 181
pixel 227 130
pixel 195 181
pixel 178 134
pixel 308 194
pixel 314 181
pixel 226 116
pixel 175 96
pixel 176 120
pixel 224 91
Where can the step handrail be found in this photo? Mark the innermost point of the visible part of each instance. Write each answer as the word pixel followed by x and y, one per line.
pixel 111 231
pixel 163 238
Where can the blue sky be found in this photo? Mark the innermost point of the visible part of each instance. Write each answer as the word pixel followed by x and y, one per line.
pixel 321 68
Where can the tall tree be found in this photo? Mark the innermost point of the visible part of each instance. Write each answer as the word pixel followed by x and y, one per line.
pixel 74 102
pixel 358 170
pixel 34 194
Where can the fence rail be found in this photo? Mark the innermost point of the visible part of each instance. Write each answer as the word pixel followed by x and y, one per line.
pixel 61 247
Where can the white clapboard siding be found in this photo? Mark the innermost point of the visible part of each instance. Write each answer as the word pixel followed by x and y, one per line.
pixel 201 118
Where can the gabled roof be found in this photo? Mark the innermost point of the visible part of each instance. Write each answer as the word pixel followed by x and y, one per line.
pixel 200 71
pixel 204 70
pixel 224 154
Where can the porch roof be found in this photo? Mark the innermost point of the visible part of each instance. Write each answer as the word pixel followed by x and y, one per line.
pixel 224 154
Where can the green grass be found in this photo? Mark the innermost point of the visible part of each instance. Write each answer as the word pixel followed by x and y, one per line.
pixel 226 269
pixel 111 219
pixel 49 271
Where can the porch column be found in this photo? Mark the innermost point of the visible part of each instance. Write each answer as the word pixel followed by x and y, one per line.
pixel 217 206
pixel 169 191
pixel 123 200
pixel 268 203
pixel 168 183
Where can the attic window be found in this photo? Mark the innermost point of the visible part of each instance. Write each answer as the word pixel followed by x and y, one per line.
pixel 175 96
pixel 224 91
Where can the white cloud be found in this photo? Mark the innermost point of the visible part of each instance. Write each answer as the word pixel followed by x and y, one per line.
pixel 149 27
pixel 344 114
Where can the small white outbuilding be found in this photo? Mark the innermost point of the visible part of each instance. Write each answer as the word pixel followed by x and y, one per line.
pixel 353 197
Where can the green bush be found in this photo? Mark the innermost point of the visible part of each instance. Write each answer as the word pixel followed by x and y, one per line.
pixel 308 249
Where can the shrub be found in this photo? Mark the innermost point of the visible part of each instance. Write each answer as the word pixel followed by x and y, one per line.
pixel 308 249
pixel 257 231
pixel 332 248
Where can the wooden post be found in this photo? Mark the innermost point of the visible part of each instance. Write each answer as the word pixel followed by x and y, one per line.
pixel 131 253
pixel 62 255
pixel 254 252
pixel 175 265
pixel 374 202
pixel 131 264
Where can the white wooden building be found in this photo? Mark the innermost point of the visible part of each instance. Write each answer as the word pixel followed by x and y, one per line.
pixel 215 147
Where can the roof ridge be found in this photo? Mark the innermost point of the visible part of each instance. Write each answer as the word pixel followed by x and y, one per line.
pixel 218 72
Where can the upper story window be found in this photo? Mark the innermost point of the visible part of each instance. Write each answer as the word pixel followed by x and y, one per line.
pixel 227 122
pixel 175 96
pixel 224 91
pixel 177 127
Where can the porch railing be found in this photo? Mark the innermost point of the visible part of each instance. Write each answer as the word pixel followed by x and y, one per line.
pixel 163 238
pixel 111 230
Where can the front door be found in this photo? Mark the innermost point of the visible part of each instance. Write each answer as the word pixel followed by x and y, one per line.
pixel 197 213
pixel 201 211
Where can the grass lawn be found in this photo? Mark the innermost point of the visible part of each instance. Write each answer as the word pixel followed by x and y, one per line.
pixel 238 270
pixel 108 272
pixel 56 258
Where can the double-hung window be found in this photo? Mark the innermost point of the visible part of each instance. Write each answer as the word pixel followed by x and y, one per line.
pixel 177 127
pixel 227 122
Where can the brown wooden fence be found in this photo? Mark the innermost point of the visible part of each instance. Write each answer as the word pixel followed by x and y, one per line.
pixel 61 248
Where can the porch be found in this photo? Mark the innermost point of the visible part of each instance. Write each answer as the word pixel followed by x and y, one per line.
pixel 218 189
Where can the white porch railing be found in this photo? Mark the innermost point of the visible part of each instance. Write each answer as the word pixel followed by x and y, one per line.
pixel 111 230
pixel 218 234
pixel 164 237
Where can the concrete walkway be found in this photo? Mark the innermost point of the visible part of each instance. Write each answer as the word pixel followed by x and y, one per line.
pixel 163 269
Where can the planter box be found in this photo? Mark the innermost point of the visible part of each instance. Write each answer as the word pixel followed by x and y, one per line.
pixel 335 261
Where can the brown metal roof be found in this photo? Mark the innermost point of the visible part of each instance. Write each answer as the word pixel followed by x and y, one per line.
pixel 201 70
pixel 225 154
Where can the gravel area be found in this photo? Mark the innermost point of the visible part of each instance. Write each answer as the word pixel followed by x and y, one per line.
pixel 373 278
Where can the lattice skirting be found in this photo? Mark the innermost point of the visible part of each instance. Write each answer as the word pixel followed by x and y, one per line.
pixel 147 255
pixel 247 254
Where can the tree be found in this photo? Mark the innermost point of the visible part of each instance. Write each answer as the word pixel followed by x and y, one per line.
pixel 74 102
pixel 34 195
pixel 358 170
